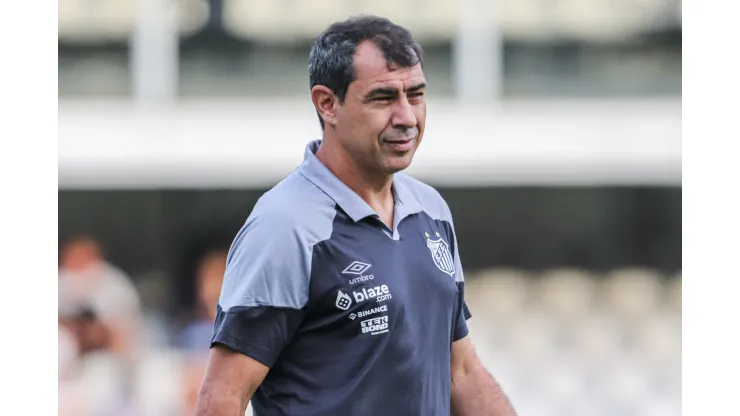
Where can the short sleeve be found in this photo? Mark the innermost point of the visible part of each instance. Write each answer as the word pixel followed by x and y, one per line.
pixel 462 312
pixel 265 287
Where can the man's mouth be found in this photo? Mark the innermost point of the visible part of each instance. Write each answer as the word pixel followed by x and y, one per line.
pixel 404 144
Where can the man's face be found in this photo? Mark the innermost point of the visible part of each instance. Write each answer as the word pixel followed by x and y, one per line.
pixel 381 122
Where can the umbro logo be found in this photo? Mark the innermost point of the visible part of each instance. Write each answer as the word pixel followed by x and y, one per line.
pixel 356 268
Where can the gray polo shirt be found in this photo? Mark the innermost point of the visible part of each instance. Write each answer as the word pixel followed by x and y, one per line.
pixel 352 318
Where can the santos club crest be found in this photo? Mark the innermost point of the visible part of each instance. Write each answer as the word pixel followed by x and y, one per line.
pixel 441 254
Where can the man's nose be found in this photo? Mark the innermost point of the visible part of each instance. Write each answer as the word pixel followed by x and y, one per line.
pixel 403 115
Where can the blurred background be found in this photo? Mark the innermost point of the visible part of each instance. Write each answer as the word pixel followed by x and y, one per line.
pixel 553 132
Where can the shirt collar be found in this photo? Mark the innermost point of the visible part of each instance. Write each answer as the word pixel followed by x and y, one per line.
pixel 318 174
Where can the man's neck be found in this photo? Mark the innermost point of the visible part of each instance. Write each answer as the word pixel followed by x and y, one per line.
pixel 373 188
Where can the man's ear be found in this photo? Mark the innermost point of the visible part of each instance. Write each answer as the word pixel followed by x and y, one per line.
pixel 325 103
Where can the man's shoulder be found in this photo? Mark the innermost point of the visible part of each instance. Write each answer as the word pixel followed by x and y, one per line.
pixel 294 206
pixel 431 201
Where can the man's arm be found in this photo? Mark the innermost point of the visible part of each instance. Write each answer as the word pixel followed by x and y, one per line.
pixel 474 391
pixel 261 307
pixel 230 381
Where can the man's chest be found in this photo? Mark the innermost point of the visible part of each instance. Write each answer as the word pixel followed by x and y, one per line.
pixel 365 282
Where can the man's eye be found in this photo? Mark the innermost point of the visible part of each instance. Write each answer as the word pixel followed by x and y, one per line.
pixel 416 95
pixel 382 98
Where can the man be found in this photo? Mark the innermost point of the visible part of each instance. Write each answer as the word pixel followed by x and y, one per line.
pixel 99 297
pixel 343 292
pixel 195 337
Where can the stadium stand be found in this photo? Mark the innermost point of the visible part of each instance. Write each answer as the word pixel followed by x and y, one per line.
pixel 288 20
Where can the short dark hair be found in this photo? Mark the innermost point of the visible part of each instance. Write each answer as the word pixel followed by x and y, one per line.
pixel 332 54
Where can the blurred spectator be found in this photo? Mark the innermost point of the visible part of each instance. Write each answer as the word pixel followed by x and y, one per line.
pixel 98 303
pixel 195 369
pixel 88 332
pixel 68 352
pixel 196 336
